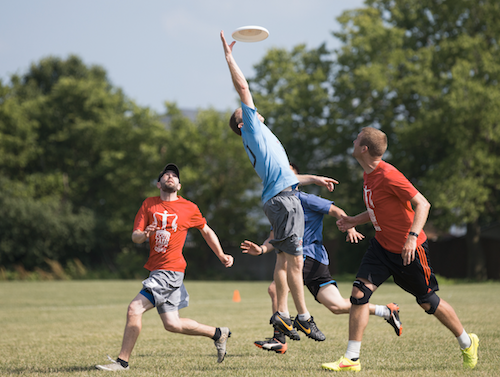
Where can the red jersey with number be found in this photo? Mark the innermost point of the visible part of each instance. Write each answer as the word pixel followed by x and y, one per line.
pixel 387 194
pixel 172 220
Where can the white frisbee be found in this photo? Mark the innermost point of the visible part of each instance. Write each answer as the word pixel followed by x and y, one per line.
pixel 250 34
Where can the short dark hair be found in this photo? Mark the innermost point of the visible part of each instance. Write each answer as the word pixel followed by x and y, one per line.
pixel 295 167
pixel 234 121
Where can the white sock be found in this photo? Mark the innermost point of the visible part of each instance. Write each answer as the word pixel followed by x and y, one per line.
pixel 382 311
pixel 353 349
pixel 305 316
pixel 464 340
pixel 285 314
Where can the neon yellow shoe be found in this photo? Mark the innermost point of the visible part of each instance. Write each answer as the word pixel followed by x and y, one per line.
pixel 470 354
pixel 343 364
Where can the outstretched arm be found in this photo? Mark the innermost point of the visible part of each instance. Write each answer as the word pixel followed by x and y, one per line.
pixel 249 247
pixel 307 179
pixel 239 81
pixel 346 222
pixel 353 236
pixel 213 241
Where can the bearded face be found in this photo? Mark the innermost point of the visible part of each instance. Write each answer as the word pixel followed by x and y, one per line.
pixel 168 187
pixel 169 183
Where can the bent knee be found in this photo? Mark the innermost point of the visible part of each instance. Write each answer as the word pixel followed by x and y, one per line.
pixel 339 310
pixel 172 327
pixel 429 302
pixel 360 293
pixel 134 310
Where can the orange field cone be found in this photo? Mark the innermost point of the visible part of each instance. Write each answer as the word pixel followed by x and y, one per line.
pixel 236 296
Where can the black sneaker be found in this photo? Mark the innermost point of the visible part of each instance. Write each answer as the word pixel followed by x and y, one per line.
pixel 284 325
pixel 309 328
pixel 272 344
pixel 394 318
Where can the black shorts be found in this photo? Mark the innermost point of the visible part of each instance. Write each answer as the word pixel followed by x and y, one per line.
pixel 417 278
pixel 316 275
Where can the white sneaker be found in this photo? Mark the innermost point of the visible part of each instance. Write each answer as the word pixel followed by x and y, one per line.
pixel 113 367
pixel 220 344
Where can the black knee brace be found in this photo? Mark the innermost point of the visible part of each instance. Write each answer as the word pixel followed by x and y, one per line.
pixel 433 299
pixel 366 293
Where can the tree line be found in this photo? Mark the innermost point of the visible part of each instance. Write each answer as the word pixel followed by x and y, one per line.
pixel 78 157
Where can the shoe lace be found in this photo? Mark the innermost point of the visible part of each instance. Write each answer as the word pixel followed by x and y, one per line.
pixel 112 360
pixel 312 324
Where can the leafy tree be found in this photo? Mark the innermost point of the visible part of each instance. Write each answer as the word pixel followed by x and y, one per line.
pixel 427 74
pixel 68 137
pixel 292 92
pixel 77 158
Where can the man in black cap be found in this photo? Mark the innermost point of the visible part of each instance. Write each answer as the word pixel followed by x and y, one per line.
pixel 164 220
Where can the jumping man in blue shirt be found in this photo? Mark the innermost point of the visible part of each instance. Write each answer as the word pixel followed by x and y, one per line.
pixel 281 206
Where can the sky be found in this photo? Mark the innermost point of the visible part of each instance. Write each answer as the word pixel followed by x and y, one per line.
pixel 158 51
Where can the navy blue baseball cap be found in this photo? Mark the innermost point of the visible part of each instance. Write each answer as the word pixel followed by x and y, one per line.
pixel 171 167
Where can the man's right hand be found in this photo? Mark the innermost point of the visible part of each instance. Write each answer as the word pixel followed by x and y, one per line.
pixel 248 247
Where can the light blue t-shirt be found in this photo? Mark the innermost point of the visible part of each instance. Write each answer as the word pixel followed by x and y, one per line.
pixel 314 210
pixel 266 154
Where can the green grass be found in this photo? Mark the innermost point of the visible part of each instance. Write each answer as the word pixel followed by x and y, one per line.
pixel 64 328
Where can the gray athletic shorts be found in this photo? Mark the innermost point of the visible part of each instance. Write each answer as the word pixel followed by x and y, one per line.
pixel 166 290
pixel 286 216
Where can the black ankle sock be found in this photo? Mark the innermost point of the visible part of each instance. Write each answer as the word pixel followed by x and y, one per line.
pixel 122 362
pixel 217 334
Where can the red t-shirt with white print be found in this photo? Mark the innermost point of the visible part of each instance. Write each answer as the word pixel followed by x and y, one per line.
pixel 387 194
pixel 172 220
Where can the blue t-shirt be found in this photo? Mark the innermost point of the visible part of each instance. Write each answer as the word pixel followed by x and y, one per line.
pixel 266 154
pixel 314 210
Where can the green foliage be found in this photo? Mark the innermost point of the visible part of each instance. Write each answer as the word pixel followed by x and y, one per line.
pixel 427 73
pixel 34 230
pixel 72 145
pixel 77 158
pixel 292 92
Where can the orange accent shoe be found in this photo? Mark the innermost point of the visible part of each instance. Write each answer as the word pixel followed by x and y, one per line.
pixel 272 344
pixel 394 318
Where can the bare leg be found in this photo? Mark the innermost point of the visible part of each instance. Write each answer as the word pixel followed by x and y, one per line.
pixel 331 298
pixel 280 279
pixel 359 314
pixel 274 297
pixel 173 323
pixel 296 282
pixel 447 316
pixel 136 309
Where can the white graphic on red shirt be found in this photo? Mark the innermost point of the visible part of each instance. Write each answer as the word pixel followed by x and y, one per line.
pixel 163 221
pixel 368 197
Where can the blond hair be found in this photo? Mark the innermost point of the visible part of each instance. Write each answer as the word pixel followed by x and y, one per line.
pixel 375 140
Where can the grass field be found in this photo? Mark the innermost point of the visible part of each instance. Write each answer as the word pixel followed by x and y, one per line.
pixel 64 328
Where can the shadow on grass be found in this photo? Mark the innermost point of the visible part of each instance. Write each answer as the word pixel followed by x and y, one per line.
pixel 23 371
